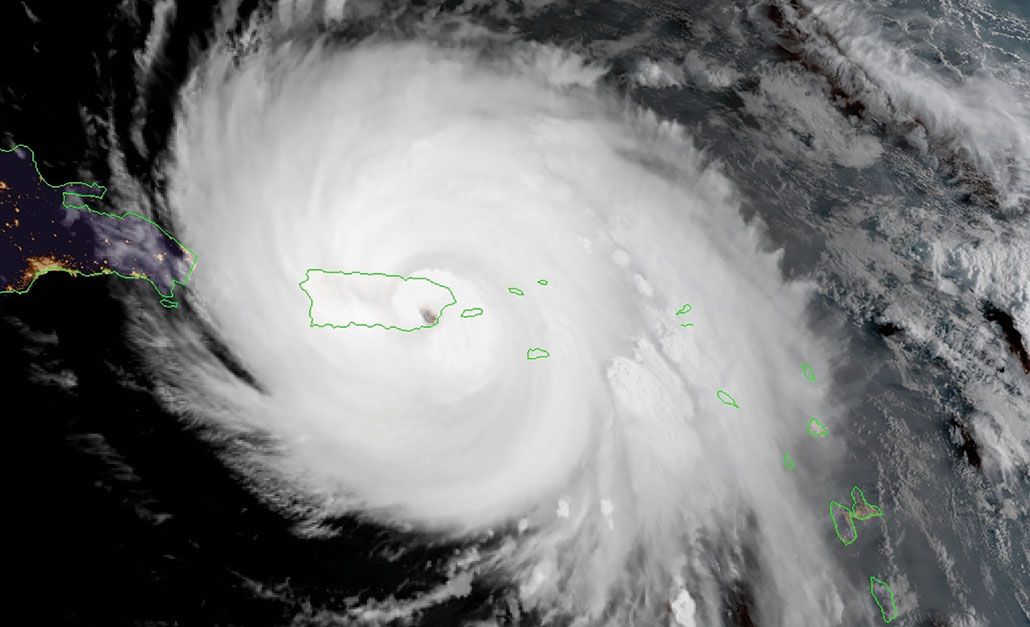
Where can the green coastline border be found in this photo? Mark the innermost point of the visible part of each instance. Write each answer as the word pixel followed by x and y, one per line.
pixel 883 612
pixel 311 300
pixel 166 299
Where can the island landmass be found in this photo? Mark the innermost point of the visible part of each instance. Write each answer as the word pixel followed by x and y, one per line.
pixel 339 300
pixel 537 353
pixel 860 507
pixel 843 522
pixel 884 598
pixel 48 228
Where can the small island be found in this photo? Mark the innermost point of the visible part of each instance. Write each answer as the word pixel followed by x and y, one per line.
pixel 860 507
pixel 537 353
pixel 844 517
pixel 816 428
pixel 843 523
pixel 884 598
pixel 339 300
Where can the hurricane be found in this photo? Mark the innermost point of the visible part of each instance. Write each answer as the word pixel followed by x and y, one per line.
pixel 482 163
pixel 706 277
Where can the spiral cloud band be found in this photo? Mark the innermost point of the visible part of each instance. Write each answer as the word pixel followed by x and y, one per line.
pixel 625 471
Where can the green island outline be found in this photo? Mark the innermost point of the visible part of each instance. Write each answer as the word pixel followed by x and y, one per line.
pixel 851 522
pixel 883 612
pixel 166 299
pixel 856 496
pixel 472 312
pixel 854 505
pixel 539 352
pixel 821 426
pixel 852 516
pixel 733 401
pixel 311 319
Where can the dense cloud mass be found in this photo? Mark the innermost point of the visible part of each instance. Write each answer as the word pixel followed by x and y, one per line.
pixel 722 313
pixel 484 169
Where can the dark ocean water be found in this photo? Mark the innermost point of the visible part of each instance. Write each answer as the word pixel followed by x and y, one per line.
pixel 1014 6
pixel 129 514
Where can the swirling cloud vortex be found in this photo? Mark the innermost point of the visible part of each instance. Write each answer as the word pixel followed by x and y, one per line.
pixel 481 172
